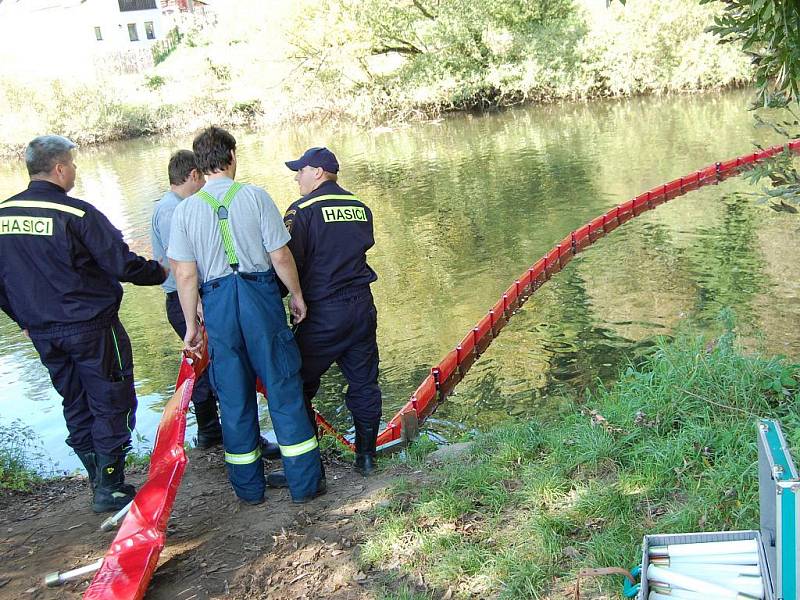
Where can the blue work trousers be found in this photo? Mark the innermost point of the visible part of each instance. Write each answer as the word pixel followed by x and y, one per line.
pixel 342 330
pixel 92 368
pixel 248 338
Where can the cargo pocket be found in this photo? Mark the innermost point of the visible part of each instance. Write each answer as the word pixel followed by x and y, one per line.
pixel 287 354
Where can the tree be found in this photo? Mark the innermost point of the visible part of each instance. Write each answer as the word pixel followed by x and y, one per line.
pixel 442 53
pixel 769 31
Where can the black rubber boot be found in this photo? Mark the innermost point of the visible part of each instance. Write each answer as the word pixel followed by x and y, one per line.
pixel 277 479
pixel 111 492
pixel 209 431
pixel 269 451
pixel 366 438
pixel 89 461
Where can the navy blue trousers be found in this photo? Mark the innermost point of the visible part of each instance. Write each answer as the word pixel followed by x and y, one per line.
pixel 93 372
pixel 203 392
pixel 248 337
pixel 342 330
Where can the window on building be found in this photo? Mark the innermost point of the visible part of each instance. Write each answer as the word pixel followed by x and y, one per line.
pixel 132 32
pixel 98 34
pixel 129 5
pixel 149 30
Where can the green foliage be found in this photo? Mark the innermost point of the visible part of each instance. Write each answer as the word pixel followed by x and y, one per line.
pixel 381 60
pixel 403 59
pixel 221 72
pixel 419 449
pixel 154 82
pixel 648 47
pixel 404 592
pixel 669 448
pixel 769 33
pixel 163 48
pixel 137 459
pixel 248 109
pixel 21 457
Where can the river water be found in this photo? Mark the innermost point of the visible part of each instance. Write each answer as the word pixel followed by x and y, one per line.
pixel 462 207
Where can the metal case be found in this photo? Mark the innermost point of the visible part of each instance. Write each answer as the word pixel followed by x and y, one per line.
pixel 779 487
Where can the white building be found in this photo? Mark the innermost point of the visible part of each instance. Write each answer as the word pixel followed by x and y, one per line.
pixel 122 23
pixel 90 29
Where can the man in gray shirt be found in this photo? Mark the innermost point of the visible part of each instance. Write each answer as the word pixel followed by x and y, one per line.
pixel 230 239
pixel 184 180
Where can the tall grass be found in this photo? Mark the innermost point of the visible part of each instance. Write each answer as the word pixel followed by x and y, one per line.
pixel 21 457
pixel 671 447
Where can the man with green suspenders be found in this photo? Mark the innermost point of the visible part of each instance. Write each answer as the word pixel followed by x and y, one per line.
pixel 230 239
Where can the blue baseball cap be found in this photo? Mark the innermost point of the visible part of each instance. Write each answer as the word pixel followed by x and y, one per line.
pixel 315 157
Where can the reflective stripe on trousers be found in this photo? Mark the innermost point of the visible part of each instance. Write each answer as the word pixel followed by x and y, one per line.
pixel 243 459
pixel 248 338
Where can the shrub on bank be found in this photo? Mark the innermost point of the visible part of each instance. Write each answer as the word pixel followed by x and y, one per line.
pixel 671 447
pixel 379 61
pixel 407 59
pixel 20 457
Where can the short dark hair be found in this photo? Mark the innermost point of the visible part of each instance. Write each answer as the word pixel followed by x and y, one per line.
pixel 181 165
pixel 45 152
pixel 212 149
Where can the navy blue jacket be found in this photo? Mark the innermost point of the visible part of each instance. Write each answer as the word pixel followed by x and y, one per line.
pixel 61 261
pixel 330 238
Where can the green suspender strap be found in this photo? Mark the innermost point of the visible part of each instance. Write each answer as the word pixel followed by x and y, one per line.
pixel 221 210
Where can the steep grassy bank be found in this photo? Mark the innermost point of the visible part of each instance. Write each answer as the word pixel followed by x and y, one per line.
pixel 671 447
pixel 372 62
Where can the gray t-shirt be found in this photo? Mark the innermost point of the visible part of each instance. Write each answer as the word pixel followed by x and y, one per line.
pixel 255 222
pixel 159 232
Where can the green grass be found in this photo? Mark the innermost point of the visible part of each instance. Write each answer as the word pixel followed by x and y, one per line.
pixel 670 447
pixel 20 457
pixel 136 460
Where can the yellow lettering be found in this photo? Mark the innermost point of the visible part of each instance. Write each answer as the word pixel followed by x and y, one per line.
pixel 26 225
pixel 331 214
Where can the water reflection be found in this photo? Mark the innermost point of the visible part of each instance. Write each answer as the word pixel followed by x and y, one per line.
pixel 462 207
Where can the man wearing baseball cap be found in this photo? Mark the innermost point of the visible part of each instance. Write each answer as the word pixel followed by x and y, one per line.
pixel 331 232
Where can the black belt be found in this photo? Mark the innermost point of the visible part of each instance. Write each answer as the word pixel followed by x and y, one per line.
pixel 172 295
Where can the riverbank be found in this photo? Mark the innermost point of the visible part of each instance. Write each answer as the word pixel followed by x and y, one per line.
pixel 669 448
pixel 513 513
pixel 284 67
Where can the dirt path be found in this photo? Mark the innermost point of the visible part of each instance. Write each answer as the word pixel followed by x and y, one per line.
pixel 216 547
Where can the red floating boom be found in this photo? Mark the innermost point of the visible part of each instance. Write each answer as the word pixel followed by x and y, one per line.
pixel 131 560
pixel 454 366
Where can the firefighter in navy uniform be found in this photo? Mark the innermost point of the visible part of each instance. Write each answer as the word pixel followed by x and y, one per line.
pixel 61 263
pixel 331 232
